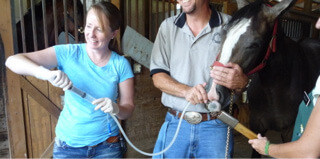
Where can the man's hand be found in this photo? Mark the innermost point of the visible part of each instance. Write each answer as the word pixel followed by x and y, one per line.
pixel 230 76
pixel 56 77
pixel 106 105
pixel 197 94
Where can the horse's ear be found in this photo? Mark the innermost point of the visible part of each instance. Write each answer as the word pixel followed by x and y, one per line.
pixel 276 10
pixel 241 3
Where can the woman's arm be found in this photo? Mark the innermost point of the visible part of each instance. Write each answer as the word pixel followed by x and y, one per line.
pixel 28 63
pixel 126 99
pixel 308 146
pixel 37 64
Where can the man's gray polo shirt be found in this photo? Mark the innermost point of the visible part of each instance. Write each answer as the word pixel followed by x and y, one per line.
pixel 184 57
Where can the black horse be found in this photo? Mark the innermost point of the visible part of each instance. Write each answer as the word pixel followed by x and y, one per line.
pixel 280 69
pixel 71 28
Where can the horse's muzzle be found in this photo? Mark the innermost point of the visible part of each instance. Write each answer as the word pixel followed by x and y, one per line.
pixel 224 96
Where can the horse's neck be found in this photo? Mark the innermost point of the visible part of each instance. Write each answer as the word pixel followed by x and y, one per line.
pixel 296 66
pixel 283 63
pixel 310 49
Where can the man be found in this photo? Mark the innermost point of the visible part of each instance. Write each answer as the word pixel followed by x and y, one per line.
pixel 184 49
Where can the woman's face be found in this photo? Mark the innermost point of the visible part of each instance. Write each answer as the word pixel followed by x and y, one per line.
pixel 96 36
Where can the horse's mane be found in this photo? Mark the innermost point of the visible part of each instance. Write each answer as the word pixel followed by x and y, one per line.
pixel 247 11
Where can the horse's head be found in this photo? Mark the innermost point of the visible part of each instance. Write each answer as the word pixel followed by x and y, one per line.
pixel 74 21
pixel 246 38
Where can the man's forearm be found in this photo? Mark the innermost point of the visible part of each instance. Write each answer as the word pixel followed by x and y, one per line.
pixel 168 85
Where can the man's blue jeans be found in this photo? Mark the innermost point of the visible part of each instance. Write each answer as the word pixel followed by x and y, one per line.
pixel 103 150
pixel 204 140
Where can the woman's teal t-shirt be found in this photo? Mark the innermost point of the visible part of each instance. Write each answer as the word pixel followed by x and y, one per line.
pixel 305 110
pixel 79 124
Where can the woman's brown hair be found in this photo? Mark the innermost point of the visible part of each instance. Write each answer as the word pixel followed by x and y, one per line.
pixel 114 16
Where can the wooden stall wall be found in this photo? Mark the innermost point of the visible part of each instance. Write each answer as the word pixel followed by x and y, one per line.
pixel 4 142
pixel 14 97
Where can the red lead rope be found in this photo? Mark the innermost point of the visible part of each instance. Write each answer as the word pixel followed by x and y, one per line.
pixel 271 48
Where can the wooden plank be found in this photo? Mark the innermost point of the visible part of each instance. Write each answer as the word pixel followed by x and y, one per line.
pixel 116 3
pixel 55 21
pixel 307 6
pixel 27 123
pixel 75 15
pixel 34 26
pixel 136 15
pixel 13 102
pixel 38 107
pixel 40 127
pixel 39 97
pixel 48 152
pixel 45 27
pixel 229 7
pixel 65 20
pixel 56 95
pixel 23 32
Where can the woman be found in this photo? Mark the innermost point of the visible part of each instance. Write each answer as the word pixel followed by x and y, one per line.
pixel 86 129
pixel 307 146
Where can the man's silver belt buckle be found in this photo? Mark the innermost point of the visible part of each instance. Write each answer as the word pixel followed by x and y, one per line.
pixel 193 117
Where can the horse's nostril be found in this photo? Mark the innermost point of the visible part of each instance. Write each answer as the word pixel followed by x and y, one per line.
pixel 220 97
pixel 219 93
pixel 223 94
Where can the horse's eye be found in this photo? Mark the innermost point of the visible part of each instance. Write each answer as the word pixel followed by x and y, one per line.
pixel 254 46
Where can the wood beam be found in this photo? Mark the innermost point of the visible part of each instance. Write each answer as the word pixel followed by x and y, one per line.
pixel 14 108
pixel 307 6
pixel 39 97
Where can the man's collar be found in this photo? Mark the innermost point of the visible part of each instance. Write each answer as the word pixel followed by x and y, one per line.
pixel 215 19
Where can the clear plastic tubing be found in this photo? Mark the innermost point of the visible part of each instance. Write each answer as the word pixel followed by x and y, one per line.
pixel 158 153
pixel 90 98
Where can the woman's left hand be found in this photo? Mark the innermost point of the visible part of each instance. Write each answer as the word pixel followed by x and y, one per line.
pixel 259 144
pixel 106 105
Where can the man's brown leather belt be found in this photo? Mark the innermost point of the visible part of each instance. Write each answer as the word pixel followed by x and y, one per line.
pixel 194 117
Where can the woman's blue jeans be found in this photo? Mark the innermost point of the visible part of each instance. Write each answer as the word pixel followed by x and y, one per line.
pixel 102 150
pixel 204 140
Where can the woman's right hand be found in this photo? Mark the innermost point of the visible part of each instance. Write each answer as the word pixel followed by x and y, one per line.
pixel 56 77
